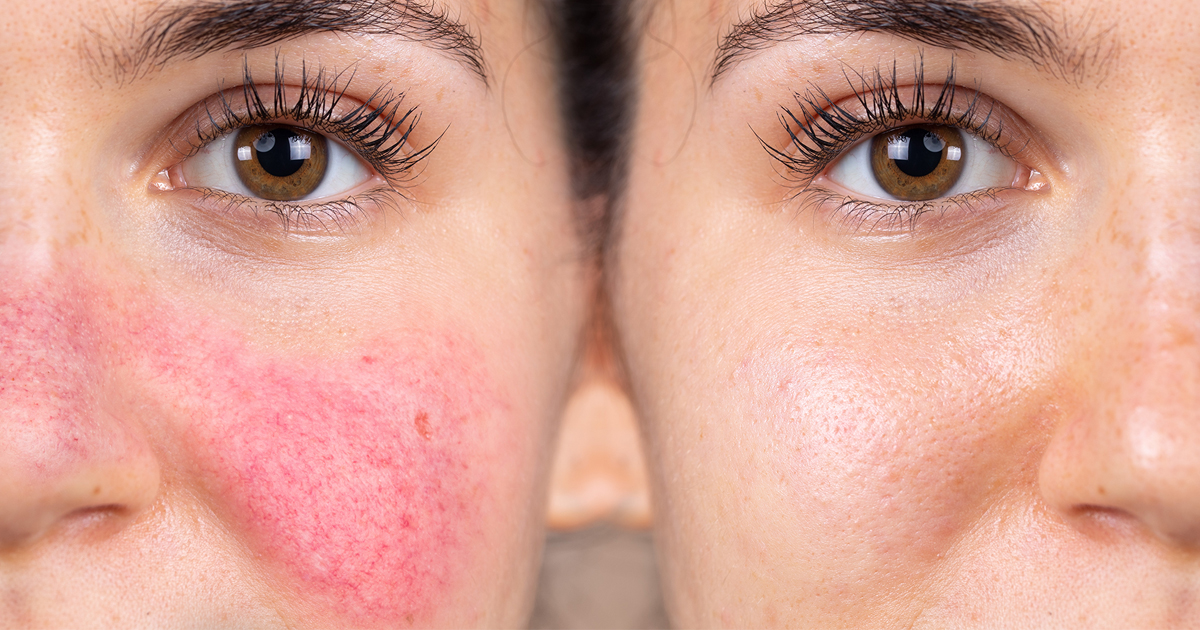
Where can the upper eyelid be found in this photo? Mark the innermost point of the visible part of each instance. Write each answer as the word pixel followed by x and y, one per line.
pixel 824 129
pixel 379 129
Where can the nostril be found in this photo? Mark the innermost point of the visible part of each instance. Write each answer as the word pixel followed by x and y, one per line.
pixel 1102 522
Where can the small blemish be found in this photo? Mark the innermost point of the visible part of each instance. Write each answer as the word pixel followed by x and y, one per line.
pixel 368 360
pixel 96 490
pixel 422 424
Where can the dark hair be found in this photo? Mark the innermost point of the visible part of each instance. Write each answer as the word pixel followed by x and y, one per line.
pixel 597 95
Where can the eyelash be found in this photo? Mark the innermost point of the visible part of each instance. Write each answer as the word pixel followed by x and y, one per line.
pixel 378 130
pixel 823 129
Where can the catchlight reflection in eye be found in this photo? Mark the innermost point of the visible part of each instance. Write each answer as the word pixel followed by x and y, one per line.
pixel 921 163
pixel 276 163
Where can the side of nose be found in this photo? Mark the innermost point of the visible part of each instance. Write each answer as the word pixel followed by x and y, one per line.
pixel 66 458
pixel 1128 441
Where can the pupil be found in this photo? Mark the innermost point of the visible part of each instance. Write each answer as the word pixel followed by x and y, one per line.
pixel 921 161
pixel 277 159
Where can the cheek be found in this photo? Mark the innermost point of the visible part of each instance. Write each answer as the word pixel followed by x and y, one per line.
pixel 888 452
pixel 362 478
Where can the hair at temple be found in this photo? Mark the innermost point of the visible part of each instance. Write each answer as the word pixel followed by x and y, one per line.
pixel 597 94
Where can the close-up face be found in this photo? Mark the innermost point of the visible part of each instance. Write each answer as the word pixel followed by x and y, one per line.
pixel 908 298
pixel 291 295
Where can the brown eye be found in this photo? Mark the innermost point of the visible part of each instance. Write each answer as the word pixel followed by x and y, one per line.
pixel 279 162
pixel 918 163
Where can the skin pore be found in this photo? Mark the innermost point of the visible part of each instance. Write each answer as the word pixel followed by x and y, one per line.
pixel 865 412
pixel 234 412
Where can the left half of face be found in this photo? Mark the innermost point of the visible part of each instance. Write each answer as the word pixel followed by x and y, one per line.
pixel 286 317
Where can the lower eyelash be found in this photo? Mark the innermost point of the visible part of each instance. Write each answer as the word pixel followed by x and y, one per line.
pixel 870 217
pixel 822 129
pixel 324 218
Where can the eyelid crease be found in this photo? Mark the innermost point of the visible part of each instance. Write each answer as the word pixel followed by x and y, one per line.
pixel 378 129
pixel 824 128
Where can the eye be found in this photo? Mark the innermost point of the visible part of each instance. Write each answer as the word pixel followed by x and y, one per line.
pixel 923 162
pixel 275 162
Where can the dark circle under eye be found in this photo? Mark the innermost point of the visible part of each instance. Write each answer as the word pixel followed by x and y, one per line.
pixel 918 163
pixel 279 162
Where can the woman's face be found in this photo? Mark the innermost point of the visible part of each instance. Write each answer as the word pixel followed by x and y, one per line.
pixel 291 293
pixel 917 355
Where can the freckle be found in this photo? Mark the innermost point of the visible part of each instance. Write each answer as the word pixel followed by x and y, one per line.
pixel 1101 490
pixel 422 424
pixel 96 490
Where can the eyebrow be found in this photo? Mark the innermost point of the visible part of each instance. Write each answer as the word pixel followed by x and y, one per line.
pixel 996 27
pixel 190 31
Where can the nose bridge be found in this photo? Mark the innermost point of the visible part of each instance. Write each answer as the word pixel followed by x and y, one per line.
pixel 1156 327
pixel 48 156
pixel 65 453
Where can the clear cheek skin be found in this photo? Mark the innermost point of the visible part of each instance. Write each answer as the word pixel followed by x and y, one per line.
pixel 359 479
pixel 892 444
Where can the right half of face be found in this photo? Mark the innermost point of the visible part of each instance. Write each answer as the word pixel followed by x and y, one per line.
pixel 286 318
pixel 911 314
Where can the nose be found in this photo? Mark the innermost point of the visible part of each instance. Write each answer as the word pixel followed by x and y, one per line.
pixel 1128 442
pixel 69 458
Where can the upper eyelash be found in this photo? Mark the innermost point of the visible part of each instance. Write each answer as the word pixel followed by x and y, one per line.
pixel 378 129
pixel 823 128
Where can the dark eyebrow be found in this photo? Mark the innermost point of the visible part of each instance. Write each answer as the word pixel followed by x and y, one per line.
pixel 991 26
pixel 192 30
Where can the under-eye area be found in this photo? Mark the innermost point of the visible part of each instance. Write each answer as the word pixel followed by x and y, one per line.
pixel 305 157
pixel 892 152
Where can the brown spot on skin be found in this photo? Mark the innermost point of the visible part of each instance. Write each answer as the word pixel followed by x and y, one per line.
pixel 422 424
pixel 96 491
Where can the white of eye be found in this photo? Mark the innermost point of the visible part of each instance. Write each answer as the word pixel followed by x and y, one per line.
pixel 984 166
pixel 213 167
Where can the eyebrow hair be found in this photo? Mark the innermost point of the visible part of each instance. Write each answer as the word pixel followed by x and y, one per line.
pixel 190 31
pixel 1002 29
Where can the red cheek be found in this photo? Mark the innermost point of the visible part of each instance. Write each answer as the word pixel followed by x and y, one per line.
pixel 361 478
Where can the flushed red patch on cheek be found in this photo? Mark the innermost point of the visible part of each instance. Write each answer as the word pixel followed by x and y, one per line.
pixel 360 477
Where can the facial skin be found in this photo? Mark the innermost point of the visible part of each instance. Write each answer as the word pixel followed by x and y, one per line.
pixel 983 416
pixel 214 419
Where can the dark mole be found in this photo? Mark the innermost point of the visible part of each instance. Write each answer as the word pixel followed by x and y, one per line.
pixel 422 424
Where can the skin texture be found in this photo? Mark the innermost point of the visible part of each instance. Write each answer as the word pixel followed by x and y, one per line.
pixel 214 421
pixel 987 418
